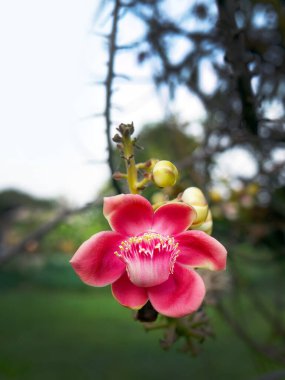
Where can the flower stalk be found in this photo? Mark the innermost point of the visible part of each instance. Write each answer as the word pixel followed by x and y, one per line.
pixel 193 329
pixel 132 175
pixel 126 145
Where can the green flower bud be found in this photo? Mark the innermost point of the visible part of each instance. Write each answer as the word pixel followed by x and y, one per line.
pixel 194 197
pixel 207 226
pixel 215 195
pixel 164 174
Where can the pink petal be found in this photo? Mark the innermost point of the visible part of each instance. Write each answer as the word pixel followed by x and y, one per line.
pixel 128 214
pixel 128 294
pixel 180 295
pixel 173 218
pixel 95 261
pixel 197 249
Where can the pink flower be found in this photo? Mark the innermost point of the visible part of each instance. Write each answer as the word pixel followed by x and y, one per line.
pixel 149 256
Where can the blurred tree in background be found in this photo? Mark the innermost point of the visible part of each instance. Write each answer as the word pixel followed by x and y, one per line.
pixel 241 44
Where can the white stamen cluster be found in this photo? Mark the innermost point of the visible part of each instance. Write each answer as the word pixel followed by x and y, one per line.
pixel 147 246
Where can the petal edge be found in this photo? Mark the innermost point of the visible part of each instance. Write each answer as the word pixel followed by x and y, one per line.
pixel 128 214
pixel 95 262
pixel 165 215
pixel 128 294
pixel 180 295
pixel 199 250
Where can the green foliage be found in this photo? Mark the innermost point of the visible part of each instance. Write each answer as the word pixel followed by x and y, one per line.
pixel 12 199
pixel 73 335
pixel 71 233
pixel 165 141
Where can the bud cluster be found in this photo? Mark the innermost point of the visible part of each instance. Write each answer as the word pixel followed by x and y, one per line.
pixel 161 173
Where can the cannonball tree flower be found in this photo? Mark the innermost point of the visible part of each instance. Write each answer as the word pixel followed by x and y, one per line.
pixel 149 255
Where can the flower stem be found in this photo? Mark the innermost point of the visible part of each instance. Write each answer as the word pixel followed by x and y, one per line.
pixel 143 183
pixel 132 176
pixel 126 144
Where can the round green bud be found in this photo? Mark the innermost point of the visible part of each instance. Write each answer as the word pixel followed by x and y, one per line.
pixel 164 174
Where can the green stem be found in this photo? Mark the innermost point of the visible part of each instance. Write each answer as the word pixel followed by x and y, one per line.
pixel 142 183
pixel 141 165
pixel 157 326
pixel 132 175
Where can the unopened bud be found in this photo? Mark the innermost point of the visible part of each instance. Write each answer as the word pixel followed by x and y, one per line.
pixel 164 173
pixel 215 195
pixel 194 197
pixel 117 138
pixel 207 226
pixel 158 197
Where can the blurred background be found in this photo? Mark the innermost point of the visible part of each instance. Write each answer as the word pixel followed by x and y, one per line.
pixel 204 83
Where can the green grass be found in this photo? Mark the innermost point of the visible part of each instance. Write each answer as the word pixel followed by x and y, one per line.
pixel 53 334
pixel 52 326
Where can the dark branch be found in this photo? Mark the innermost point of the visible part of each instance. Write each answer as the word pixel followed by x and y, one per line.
pixel 109 83
pixel 234 41
pixel 270 352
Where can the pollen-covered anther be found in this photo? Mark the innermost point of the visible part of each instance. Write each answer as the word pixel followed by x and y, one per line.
pixel 149 258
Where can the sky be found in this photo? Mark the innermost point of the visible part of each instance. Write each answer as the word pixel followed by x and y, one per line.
pixel 50 59
pixel 42 76
pixel 50 144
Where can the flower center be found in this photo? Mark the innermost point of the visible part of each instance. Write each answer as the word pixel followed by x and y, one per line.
pixel 149 258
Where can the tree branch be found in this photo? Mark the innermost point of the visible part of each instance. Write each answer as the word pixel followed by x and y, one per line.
pixel 270 352
pixel 234 41
pixel 11 252
pixel 109 82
